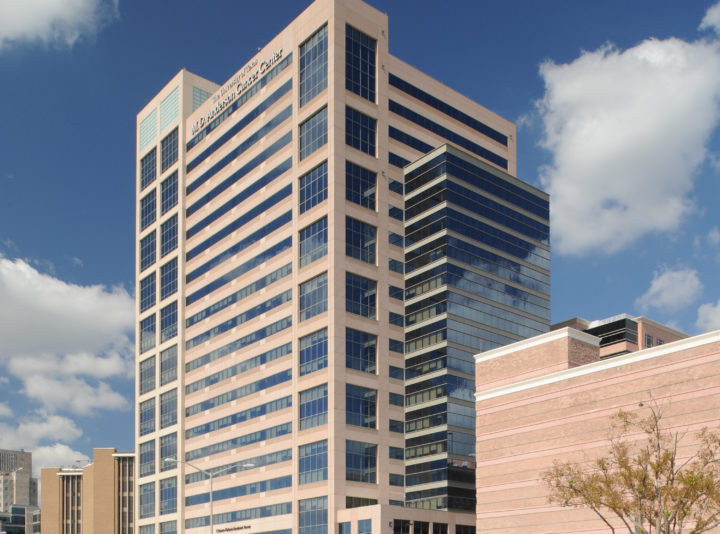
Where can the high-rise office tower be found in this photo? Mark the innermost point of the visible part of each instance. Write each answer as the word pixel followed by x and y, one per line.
pixel 17 485
pixel 271 279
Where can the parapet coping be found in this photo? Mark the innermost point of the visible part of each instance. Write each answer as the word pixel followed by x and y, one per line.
pixel 547 337
pixel 609 363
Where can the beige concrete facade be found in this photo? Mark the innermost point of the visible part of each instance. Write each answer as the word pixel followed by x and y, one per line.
pixel 206 128
pixel 550 398
pixel 97 498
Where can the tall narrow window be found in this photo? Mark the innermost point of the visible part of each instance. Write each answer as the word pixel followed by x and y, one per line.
pixel 147 251
pixel 168 279
pixel 168 496
pixel 147 210
pixel 168 322
pixel 169 193
pixel 360 239
pixel 360 461
pixel 147 375
pixel 360 293
pixel 147 458
pixel 360 131
pixel 168 365
pixel 147 500
pixel 313 133
pixel 169 148
pixel 313 65
pixel 360 406
pixel 168 408
pixel 148 169
pixel 313 296
pixel 313 459
pixel 314 352
pixel 147 333
pixel 360 350
pixel 168 235
pixel 168 449
pixel 360 52
pixel 313 407
pixel 313 242
pixel 313 187
pixel 360 185
pixel 147 416
pixel 147 292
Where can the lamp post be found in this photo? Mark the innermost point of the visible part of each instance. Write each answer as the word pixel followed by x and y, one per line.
pixel 209 475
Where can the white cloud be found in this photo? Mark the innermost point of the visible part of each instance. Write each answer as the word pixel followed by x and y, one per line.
pixel 627 131
pixel 5 410
pixel 53 22
pixel 65 342
pixel 711 20
pixel 671 290
pixel 42 314
pixel 29 432
pixel 709 317
pixel 57 455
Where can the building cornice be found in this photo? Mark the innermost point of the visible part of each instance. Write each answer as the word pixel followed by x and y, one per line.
pixel 549 337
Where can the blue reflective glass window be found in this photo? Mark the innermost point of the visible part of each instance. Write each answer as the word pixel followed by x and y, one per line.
pixel 168 496
pixel 168 322
pixel 360 52
pixel 147 458
pixel 397 480
pixel 395 186
pixel 168 408
pixel 397 426
pixel 397 453
pixel 360 350
pixel 360 406
pixel 395 213
pixel 344 528
pixel 397 399
pixel 147 333
pixel 395 345
pixel 147 375
pixel 168 449
pixel 147 251
pixel 396 266
pixel 360 295
pixel 313 65
pixel 147 529
pixel 396 319
pixel 397 373
pixel 364 526
pixel 148 210
pixel 148 169
pixel 168 279
pixel 360 185
pixel 313 407
pixel 168 235
pixel 168 365
pixel 169 193
pixel 314 352
pixel 147 500
pixel 313 460
pixel 313 187
pixel 147 416
pixel 313 296
pixel 313 242
pixel 313 515
pixel 168 527
pixel 395 239
pixel 147 292
pixel 169 150
pixel 313 133
pixel 360 461
pixel 360 239
pixel 360 131
pixel 396 292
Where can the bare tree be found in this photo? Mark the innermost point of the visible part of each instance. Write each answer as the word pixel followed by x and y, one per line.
pixel 645 482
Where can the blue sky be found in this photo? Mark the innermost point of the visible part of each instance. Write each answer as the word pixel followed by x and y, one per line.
pixel 617 111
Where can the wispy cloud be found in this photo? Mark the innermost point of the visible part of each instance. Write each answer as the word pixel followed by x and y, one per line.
pixel 670 291
pixel 709 317
pixel 627 129
pixel 53 22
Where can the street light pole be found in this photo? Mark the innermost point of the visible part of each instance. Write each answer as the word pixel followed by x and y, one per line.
pixel 209 475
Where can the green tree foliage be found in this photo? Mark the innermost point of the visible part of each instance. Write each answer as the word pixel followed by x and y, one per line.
pixel 644 481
